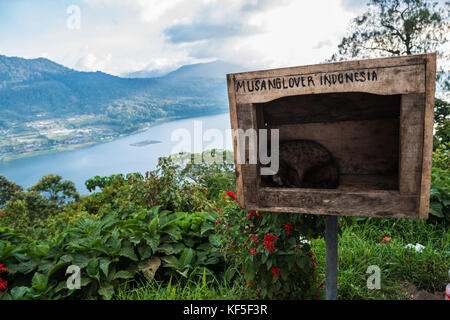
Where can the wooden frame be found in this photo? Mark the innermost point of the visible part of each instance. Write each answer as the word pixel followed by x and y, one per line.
pixel 409 79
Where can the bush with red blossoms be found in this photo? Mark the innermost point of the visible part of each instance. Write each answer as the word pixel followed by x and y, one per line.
pixel 275 263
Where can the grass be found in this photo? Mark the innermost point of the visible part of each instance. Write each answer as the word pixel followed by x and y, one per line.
pixel 206 288
pixel 360 246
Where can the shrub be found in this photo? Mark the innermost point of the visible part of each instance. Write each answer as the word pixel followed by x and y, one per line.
pixel 143 244
pixel 440 184
pixel 270 248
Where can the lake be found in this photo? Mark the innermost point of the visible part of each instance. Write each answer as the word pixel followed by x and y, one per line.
pixel 135 153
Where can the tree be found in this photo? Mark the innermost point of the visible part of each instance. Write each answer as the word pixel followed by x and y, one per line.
pixel 396 27
pixel 403 27
pixel 55 189
pixel 8 190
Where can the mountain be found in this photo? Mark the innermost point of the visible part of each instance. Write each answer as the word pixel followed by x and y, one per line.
pixel 29 87
pixel 146 74
pixel 215 69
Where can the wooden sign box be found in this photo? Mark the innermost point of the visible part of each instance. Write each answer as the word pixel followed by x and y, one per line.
pixel 374 116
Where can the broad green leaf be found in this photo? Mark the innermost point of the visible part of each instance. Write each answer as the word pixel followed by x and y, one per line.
pixel 39 282
pixel 186 257
pixel 106 290
pixel 18 292
pixel 104 266
pixel 123 274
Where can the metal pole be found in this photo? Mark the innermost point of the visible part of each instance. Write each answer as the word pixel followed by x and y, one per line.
pixel 331 239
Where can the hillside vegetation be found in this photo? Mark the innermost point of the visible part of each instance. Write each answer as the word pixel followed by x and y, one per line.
pixel 45 106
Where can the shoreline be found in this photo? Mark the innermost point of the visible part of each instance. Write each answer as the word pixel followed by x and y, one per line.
pixel 89 144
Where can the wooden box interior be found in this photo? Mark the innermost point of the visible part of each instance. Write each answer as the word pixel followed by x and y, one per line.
pixel 361 130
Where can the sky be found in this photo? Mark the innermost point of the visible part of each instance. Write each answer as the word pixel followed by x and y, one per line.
pixel 122 36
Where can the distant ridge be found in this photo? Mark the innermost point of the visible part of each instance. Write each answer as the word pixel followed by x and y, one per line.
pixel 215 70
pixel 40 86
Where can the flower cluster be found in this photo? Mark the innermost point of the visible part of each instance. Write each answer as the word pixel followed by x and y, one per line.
pixel 275 271
pixel 253 213
pixel 254 238
pixel 274 267
pixel 269 245
pixel 231 194
pixel 288 226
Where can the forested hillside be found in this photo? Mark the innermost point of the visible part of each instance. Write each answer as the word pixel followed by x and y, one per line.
pixel 45 106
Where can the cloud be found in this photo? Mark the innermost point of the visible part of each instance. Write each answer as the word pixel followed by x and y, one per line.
pixel 181 33
pixel 323 44
pixel 91 62
pixel 355 5
pixel 219 20
pixel 121 36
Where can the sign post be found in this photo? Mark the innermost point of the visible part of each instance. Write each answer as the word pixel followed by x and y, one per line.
pixel 331 239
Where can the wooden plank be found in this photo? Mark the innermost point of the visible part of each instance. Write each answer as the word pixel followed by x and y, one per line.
pixel 387 204
pixel 430 83
pixel 387 81
pixel 330 107
pixel 411 140
pixel 234 126
pixel 337 66
pixel 247 120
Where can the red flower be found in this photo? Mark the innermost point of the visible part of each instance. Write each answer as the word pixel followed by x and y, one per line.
pixel 386 240
pixel 2 268
pixel 253 213
pixel 314 261
pixel 275 271
pixel 254 238
pixel 227 227
pixel 320 286
pixel 1 215
pixel 288 226
pixel 231 194
pixel 318 296
pixel 277 212
pixel 249 284
pixel 3 284
pixel 254 251
pixel 218 220
pixel 268 243
pixel 219 211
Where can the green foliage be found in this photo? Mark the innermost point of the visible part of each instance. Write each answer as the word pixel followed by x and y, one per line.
pixel 55 189
pixel 8 190
pixel 117 247
pixel 442 123
pixel 204 287
pixel 360 246
pixel 28 211
pixel 275 263
pixel 396 27
pixel 440 184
